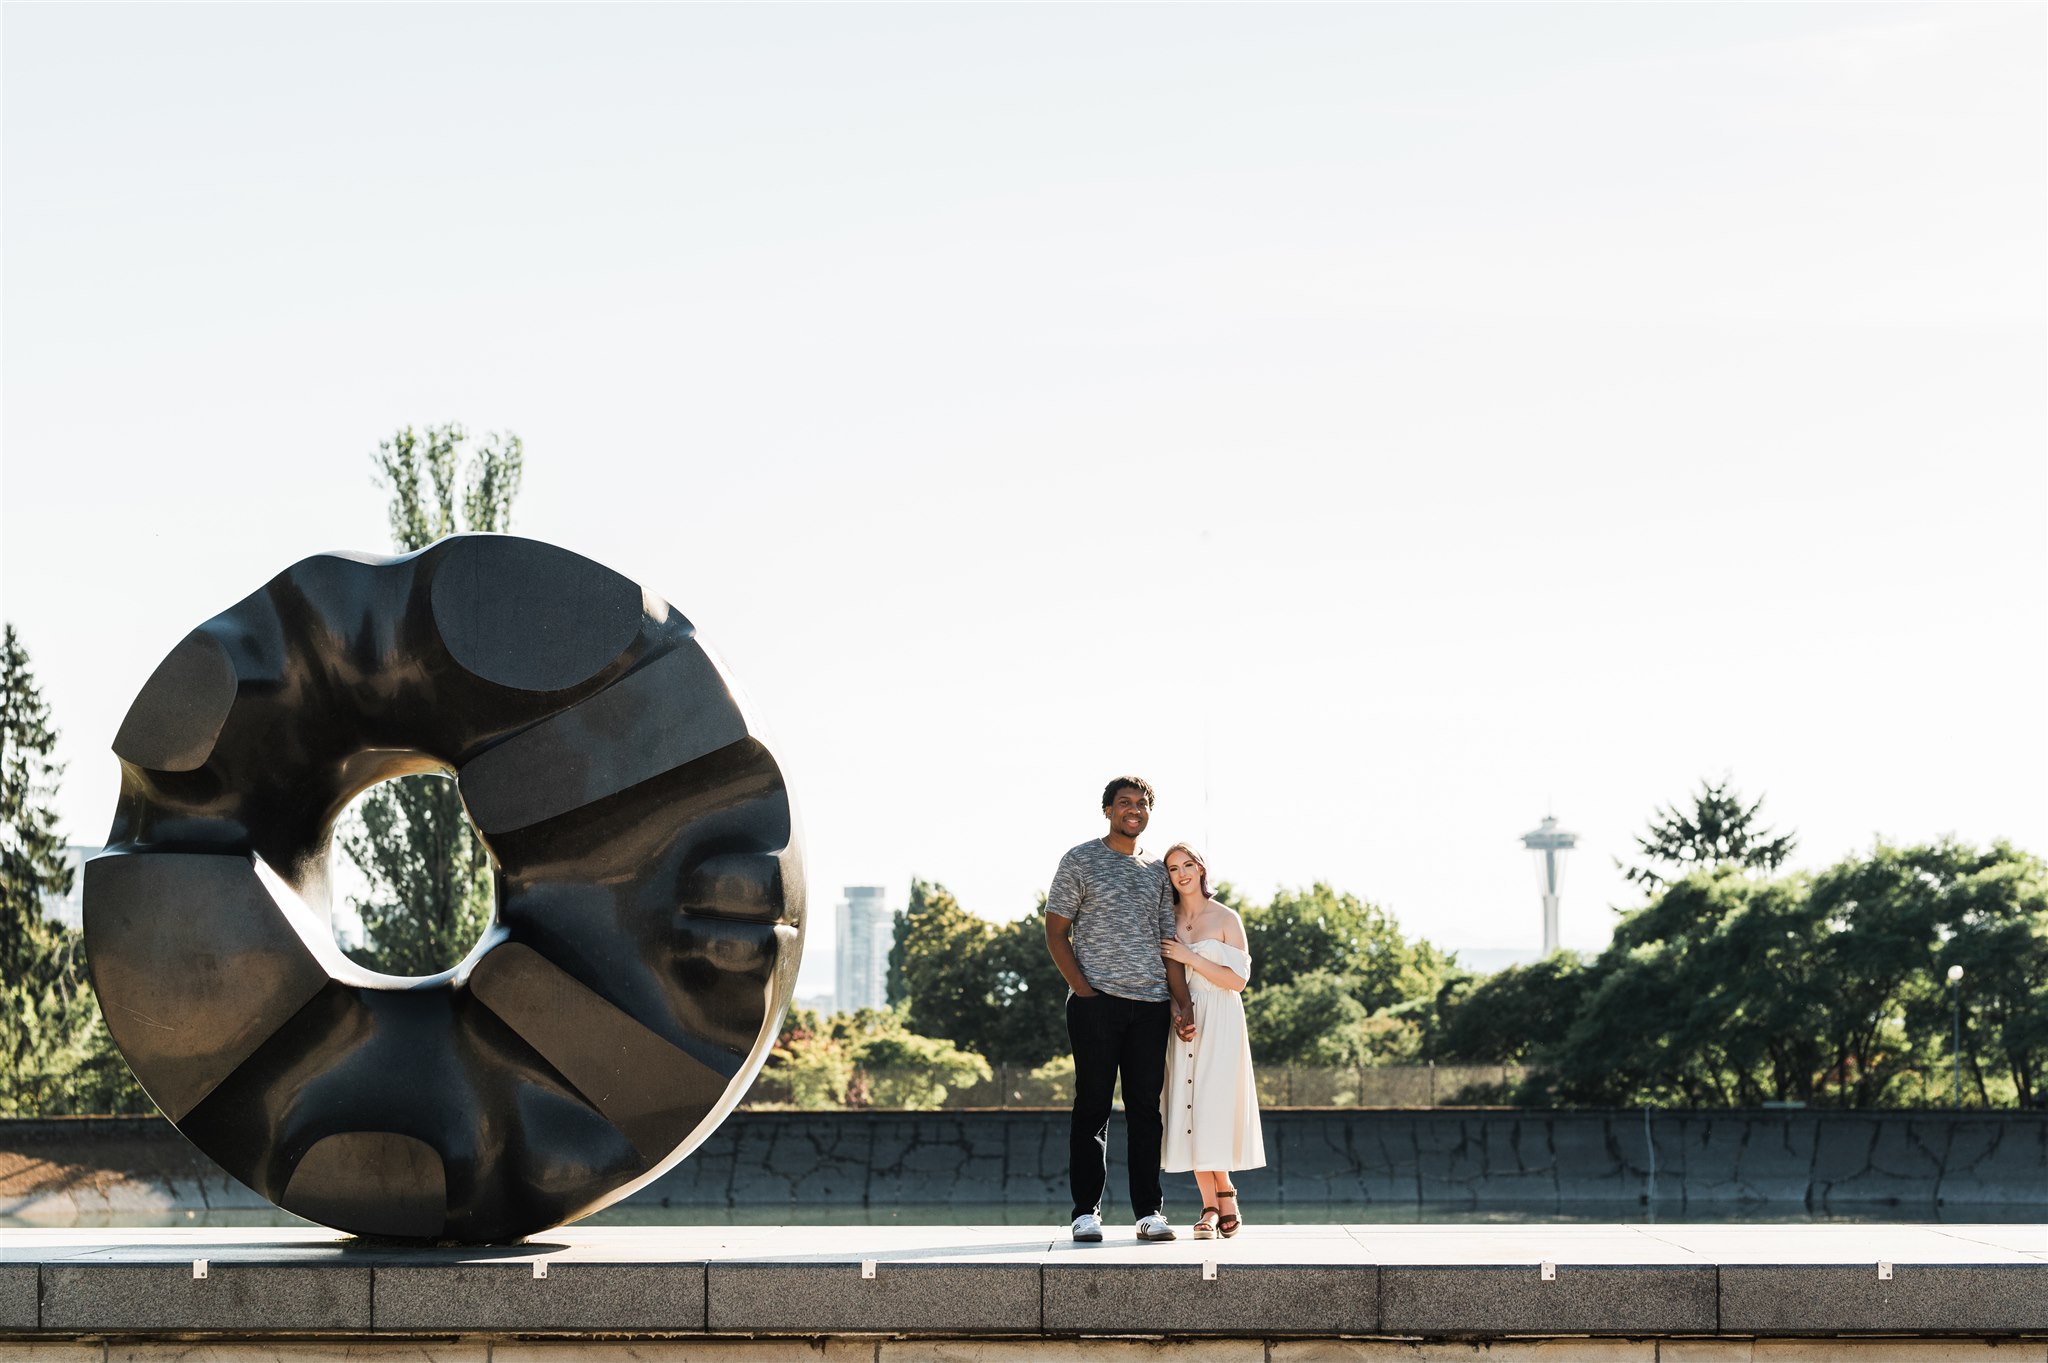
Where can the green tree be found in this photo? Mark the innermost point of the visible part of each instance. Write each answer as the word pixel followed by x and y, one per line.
pixel 1876 926
pixel 32 862
pixel 1334 981
pixel 990 988
pixel 938 966
pixel 1028 1023
pixel 1760 989
pixel 429 875
pixel 1320 929
pixel 1728 988
pixel 1312 1019
pixel 1993 922
pixel 868 1059
pixel 1718 828
pixel 810 1061
pixel 905 1070
pixel 1618 1049
pixel 1513 1014
pixel 1708 995
pixel 56 1056
pixel 431 479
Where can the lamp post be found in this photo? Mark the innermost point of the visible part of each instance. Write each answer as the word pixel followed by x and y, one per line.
pixel 1955 987
pixel 1550 843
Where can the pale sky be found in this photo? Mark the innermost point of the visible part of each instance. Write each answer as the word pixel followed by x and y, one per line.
pixel 1376 425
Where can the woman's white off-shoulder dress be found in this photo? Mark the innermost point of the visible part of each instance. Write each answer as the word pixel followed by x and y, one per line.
pixel 1210 1104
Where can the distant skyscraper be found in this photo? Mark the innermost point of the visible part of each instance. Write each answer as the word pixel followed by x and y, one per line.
pixel 866 931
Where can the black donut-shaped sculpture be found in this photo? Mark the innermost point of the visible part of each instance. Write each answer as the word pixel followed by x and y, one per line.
pixel 649 891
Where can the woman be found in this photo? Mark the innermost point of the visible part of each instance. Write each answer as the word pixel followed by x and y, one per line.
pixel 1210 1105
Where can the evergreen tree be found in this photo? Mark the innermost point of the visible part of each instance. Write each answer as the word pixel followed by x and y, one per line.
pixel 55 1053
pixel 1717 830
pixel 429 874
pixel 32 862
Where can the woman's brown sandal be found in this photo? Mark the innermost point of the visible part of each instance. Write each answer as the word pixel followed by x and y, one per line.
pixel 1205 1225
pixel 1226 1226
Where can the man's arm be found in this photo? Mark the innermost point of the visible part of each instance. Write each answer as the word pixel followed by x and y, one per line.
pixel 1059 940
pixel 1062 906
pixel 1177 985
pixel 1176 977
pixel 1183 1006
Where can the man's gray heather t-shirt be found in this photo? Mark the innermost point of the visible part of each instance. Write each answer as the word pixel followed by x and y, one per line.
pixel 1122 908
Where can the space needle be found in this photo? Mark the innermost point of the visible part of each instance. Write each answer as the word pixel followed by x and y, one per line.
pixel 1550 843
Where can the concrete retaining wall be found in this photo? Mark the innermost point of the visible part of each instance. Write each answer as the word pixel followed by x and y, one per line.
pixel 1342 1161
pixel 1790 1160
pixel 973 1349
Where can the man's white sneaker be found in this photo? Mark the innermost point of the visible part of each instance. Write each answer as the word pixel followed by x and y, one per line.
pixel 1154 1227
pixel 1087 1226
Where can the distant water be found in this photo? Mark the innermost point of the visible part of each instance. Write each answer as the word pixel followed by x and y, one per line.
pixel 1053 1219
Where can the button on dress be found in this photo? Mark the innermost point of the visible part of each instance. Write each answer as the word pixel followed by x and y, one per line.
pixel 1210 1104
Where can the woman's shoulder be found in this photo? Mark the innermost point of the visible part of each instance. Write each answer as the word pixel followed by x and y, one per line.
pixel 1227 921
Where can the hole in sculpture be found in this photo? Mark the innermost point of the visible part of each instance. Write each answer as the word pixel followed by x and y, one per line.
pixel 414 885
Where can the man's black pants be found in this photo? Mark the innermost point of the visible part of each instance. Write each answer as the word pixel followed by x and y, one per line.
pixel 1113 1036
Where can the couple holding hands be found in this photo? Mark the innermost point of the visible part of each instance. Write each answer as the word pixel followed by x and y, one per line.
pixel 1155 968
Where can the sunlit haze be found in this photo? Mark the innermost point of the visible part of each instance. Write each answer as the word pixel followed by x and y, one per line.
pixel 1378 426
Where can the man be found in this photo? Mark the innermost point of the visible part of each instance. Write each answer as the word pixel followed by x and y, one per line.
pixel 1107 912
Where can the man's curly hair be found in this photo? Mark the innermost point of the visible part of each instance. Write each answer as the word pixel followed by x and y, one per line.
pixel 1139 784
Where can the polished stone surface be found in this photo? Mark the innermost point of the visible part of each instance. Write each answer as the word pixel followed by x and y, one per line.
pixel 18 1289
pixel 1764 1299
pixel 507 1297
pixel 1270 1282
pixel 948 1296
pixel 235 1296
pixel 1594 1299
pixel 1242 1298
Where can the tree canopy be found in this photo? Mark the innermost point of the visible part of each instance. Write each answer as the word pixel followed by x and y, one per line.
pixel 991 987
pixel 1731 988
pixel 1336 982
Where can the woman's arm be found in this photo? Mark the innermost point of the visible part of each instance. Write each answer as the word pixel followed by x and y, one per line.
pixel 1222 976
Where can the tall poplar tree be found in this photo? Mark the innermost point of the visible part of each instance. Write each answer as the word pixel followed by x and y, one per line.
pixel 428 873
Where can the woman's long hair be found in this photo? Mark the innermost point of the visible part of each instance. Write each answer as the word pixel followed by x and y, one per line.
pixel 1199 861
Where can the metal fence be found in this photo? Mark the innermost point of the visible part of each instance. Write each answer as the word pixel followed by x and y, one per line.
pixel 1280 1086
